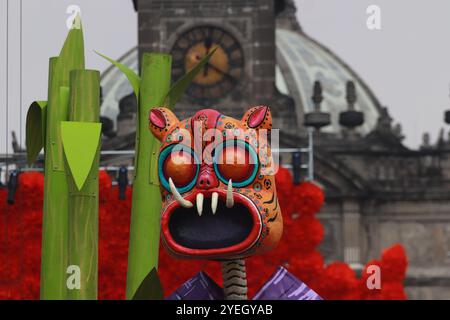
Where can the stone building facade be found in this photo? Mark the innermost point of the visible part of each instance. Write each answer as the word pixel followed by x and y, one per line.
pixel 378 192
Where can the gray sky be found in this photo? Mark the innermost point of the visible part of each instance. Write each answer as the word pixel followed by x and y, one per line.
pixel 406 63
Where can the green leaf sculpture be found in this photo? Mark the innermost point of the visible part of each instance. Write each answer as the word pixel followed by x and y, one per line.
pixel 81 141
pixel 178 89
pixel 132 77
pixel 35 130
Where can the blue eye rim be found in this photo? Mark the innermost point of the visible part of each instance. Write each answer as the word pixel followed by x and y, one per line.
pixel 162 157
pixel 247 147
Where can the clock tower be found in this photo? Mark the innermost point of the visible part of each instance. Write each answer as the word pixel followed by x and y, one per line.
pixel 242 71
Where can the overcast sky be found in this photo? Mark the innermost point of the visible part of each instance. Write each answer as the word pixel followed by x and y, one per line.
pixel 406 63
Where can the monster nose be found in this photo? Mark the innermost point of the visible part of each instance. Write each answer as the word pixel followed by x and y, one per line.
pixel 207 179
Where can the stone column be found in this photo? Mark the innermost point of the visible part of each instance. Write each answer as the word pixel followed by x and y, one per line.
pixel 351 233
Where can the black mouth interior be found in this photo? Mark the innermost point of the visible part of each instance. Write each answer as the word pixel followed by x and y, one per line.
pixel 225 228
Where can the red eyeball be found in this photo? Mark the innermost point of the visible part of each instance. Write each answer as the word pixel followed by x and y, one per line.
pixel 234 162
pixel 180 166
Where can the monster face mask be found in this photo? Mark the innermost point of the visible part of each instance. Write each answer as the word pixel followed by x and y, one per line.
pixel 217 184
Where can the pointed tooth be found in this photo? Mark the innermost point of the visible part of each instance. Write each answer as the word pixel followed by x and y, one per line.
pixel 200 204
pixel 183 202
pixel 214 201
pixel 230 200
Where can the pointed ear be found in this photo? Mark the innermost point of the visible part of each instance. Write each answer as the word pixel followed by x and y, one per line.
pixel 258 118
pixel 160 121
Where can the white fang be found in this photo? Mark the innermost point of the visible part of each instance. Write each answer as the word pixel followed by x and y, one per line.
pixel 214 201
pixel 230 200
pixel 200 204
pixel 183 202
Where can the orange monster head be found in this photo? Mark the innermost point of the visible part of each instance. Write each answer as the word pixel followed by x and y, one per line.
pixel 217 184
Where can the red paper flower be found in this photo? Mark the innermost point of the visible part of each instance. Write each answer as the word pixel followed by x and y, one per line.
pixel 339 283
pixel 308 198
pixel 394 263
pixel 305 234
pixel 393 291
pixel 307 267
pixel 284 185
pixel 20 247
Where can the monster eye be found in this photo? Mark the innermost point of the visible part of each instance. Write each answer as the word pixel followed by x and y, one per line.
pixel 236 160
pixel 180 163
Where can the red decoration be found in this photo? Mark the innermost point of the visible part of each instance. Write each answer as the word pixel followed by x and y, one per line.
pixel 394 263
pixel 338 282
pixel 157 118
pixel 234 163
pixel 257 117
pixel 308 198
pixel 20 247
pixel 285 185
pixel 181 167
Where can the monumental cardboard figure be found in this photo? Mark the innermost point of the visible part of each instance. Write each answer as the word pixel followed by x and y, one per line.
pixel 218 187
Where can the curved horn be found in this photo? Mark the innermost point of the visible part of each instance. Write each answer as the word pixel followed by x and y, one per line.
pixel 183 202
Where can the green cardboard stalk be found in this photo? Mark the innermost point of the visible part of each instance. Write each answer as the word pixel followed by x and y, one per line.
pixel 152 90
pixel 65 211
pixel 81 140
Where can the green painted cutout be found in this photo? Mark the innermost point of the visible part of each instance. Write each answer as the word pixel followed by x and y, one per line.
pixel 80 141
pixel 133 78
pixel 35 129
pixel 183 83
pixel 150 288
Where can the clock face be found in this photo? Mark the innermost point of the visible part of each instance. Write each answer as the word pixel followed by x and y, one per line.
pixel 224 70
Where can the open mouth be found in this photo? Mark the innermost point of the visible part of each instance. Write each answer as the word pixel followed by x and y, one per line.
pixel 211 227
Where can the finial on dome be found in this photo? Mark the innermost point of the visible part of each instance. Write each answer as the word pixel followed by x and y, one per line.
pixel 351 118
pixel 317 119
pixel 317 97
pixel 351 95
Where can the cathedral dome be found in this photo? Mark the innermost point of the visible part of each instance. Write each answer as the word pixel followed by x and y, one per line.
pixel 301 61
